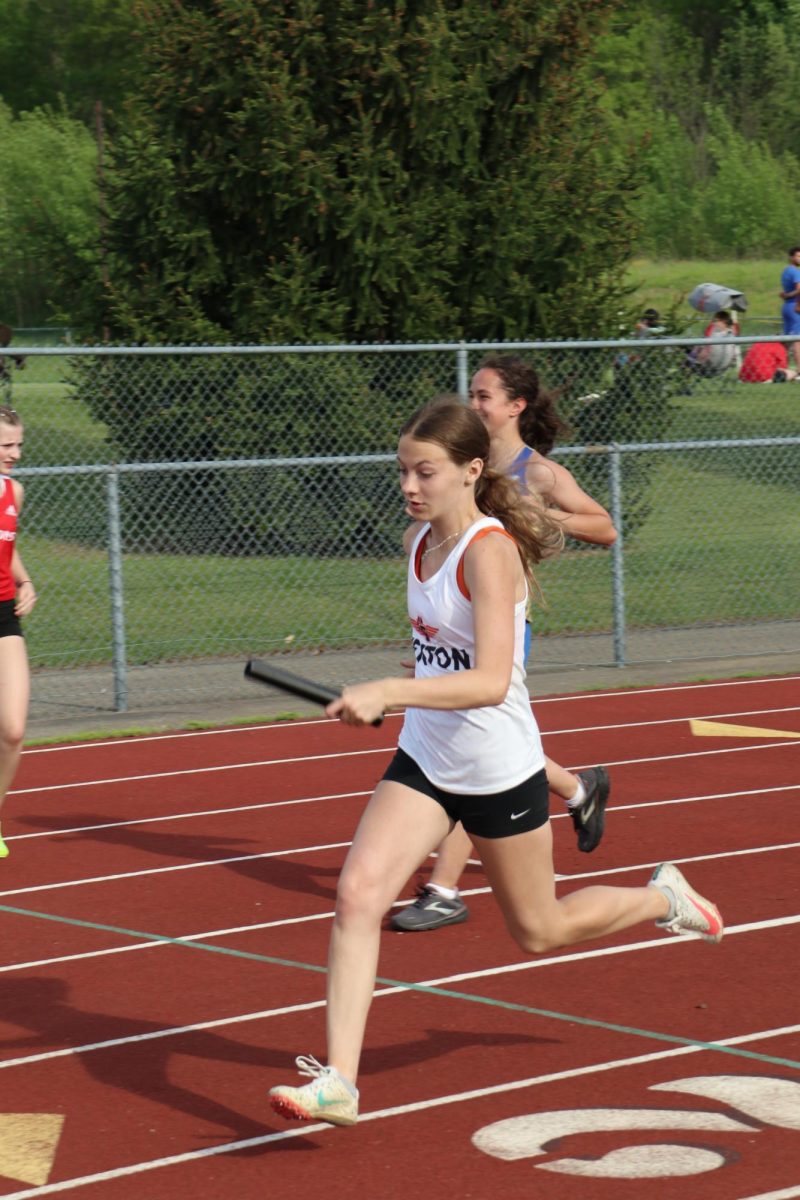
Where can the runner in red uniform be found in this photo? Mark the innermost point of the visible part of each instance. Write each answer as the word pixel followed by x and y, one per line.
pixel 17 598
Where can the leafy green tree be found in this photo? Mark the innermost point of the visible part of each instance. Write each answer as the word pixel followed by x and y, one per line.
pixel 710 91
pixel 57 52
pixel 48 211
pixel 343 169
pixel 747 207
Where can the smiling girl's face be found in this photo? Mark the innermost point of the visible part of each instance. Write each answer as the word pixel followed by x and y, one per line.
pixel 490 400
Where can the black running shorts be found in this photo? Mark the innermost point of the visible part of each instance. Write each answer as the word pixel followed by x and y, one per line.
pixel 498 815
pixel 9 621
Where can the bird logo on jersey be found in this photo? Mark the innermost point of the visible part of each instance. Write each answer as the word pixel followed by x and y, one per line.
pixel 427 631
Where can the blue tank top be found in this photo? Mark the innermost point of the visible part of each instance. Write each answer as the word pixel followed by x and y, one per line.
pixel 517 471
pixel 519 465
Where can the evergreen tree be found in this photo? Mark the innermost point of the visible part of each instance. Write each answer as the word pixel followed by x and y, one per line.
pixel 334 169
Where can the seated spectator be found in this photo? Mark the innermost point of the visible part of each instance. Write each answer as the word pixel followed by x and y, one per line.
pixel 648 325
pixel 734 327
pixel 716 357
pixel 764 361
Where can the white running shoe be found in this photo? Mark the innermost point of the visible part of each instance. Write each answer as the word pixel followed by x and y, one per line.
pixel 689 911
pixel 326 1098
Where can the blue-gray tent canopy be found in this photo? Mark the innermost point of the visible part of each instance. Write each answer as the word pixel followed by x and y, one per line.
pixel 711 298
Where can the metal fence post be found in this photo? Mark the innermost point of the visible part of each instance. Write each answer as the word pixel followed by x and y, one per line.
pixel 462 372
pixel 117 596
pixel 617 555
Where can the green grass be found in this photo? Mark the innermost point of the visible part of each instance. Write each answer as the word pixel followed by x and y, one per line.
pixel 181 607
pixel 723 407
pixel 664 284
pixel 58 427
pixel 137 731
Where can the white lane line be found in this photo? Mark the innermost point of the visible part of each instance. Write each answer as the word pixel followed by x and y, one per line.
pixel 214 812
pixel 184 816
pixel 191 866
pixel 241 766
pixel 256 927
pixel 239 858
pixel 280 762
pixel 783 1194
pixel 680 687
pixel 714 716
pixel 658 943
pixel 280 726
pixel 50 1189
pixel 754 713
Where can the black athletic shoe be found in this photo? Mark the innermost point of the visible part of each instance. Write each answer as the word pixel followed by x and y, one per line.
pixel 430 911
pixel 589 817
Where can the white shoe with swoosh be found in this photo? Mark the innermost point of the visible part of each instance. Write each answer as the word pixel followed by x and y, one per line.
pixel 690 913
pixel 326 1098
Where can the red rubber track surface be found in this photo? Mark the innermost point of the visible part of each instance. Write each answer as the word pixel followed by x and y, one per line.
pixel 159 1055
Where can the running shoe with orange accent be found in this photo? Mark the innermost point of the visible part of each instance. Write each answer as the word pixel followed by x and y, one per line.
pixel 689 913
pixel 326 1098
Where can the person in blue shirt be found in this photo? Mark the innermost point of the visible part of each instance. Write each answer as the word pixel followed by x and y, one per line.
pixel 790 294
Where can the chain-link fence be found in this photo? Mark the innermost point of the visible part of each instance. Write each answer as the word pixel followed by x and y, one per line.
pixel 194 505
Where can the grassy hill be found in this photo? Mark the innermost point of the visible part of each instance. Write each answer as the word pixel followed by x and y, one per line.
pixel 664 284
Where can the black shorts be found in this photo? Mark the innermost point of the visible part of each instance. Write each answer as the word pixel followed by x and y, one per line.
pixel 497 815
pixel 9 621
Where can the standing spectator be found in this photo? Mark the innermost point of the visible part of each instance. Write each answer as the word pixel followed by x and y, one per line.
pixel 790 294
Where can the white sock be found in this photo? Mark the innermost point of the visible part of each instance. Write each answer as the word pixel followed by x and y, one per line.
pixel 446 892
pixel 579 797
pixel 351 1087
pixel 672 900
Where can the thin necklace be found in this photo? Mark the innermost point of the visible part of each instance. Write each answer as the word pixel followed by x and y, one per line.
pixel 439 545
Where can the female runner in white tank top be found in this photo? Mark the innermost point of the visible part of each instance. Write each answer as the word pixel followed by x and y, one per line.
pixel 468 750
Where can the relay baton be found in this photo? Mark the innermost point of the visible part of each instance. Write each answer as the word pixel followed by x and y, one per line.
pixel 287 681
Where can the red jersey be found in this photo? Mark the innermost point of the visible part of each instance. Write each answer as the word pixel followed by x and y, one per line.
pixel 8 537
pixel 762 360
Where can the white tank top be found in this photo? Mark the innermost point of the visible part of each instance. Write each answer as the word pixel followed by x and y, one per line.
pixel 474 751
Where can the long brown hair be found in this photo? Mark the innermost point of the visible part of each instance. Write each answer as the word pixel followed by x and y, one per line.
pixel 463 436
pixel 540 426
